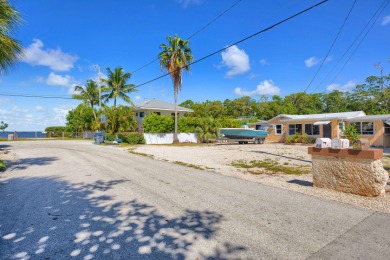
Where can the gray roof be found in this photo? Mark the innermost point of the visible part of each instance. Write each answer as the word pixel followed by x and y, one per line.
pixel 155 104
pixel 326 116
pixel 370 118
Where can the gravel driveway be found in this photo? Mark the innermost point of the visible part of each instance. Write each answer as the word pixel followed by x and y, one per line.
pixel 219 158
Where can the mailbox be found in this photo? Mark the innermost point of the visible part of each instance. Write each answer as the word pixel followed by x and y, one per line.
pixel 362 144
pixel 323 142
pixel 340 143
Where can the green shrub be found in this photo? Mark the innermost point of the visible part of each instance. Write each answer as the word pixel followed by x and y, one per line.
pixel 351 133
pixel 188 124
pixel 299 138
pixel 110 137
pixel 132 138
pixel 57 131
pixel 154 123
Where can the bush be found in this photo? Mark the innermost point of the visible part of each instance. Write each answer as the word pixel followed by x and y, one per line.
pixel 299 138
pixel 351 133
pixel 132 138
pixel 154 123
pixel 56 131
pixel 110 137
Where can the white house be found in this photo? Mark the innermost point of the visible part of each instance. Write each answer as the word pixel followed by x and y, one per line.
pixel 159 107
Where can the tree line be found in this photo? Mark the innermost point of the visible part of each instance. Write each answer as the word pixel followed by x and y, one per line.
pixel 372 97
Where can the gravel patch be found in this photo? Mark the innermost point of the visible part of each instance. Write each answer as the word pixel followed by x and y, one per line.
pixel 219 158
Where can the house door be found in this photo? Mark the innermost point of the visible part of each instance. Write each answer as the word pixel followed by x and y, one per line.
pixel 327 130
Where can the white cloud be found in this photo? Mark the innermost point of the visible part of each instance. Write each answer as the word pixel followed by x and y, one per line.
pixel 386 20
pixel 62 81
pixel 57 60
pixel 186 3
pixel 58 80
pixel 138 97
pixel 312 61
pixel 236 60
pixel 267 87
pixel 60 115
pixel 343 88
pixel 264 62
pixel 39 108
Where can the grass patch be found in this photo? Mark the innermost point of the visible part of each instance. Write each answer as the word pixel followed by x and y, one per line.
pixel 268 166
pixel 188 165
pixel 2 166
pixel 142 154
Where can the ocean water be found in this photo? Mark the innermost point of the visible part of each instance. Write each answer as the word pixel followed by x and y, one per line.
pixel 23 134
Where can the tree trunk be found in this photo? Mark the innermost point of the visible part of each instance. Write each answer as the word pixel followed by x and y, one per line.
pixel 175 139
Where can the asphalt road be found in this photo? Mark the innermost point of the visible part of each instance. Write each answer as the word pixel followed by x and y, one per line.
pixel 65 199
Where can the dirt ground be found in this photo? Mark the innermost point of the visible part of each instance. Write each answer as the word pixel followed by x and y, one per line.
pixel 219 158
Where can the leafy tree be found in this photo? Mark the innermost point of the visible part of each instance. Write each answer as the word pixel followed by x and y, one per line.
pixel 10 49
pixel 154 123
pixel 3 126
pixel 120 119
pixel 89 94
pixel 116 85
pixel 175 57
pixel 81 119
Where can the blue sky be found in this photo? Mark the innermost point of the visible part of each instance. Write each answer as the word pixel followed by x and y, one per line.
pixel 65 40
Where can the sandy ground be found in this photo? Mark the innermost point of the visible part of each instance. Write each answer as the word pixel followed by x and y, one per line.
pixel 219 158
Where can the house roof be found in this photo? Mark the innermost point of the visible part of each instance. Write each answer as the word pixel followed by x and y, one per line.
pixel 325 116
pixel 155 104
pixel 370 118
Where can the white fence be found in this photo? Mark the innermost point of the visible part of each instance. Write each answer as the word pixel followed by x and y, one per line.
pixel 168 138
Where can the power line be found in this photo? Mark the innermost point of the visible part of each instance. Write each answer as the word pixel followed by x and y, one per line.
pixel 360 42
pixel 331 46
pixel 381 6
pixel 193 34
pixel 240 41
pixel 32 96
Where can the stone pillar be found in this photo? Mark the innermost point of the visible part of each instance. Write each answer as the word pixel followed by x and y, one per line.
pixel 352 171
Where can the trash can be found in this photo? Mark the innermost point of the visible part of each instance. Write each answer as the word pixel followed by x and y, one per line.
pixel 98 137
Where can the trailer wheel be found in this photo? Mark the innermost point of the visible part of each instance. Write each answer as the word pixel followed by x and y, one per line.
pixel 240 142
pixel 262 140
pixel 257 141
pixel 245 142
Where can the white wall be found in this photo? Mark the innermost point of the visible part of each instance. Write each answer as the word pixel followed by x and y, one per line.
pixel 167 138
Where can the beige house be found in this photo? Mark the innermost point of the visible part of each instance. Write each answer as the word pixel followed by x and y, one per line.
pixel 159 107
pixel 375 128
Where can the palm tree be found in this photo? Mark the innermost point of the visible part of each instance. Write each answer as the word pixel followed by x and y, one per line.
pixel 174 57
pixel 116 85
pixel 89 94
pixel 10 49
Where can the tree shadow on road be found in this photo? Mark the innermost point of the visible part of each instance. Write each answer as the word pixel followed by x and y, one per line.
pixel 76 220
pixel 24 163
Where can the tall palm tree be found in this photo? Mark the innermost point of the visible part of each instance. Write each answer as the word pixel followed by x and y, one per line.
pixel 89 94
pixel 174 57
pixel 116 85
pixel 10 49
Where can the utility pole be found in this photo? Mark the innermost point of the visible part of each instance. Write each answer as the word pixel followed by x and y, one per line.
pixel 100 88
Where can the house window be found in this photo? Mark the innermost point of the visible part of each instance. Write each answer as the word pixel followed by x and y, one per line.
pixel 294 128
pixel 341 129
pixel 364 128
pixel 136 114
pixel 278 129
pixel 141 114
pixel 387 129
pixel 311 129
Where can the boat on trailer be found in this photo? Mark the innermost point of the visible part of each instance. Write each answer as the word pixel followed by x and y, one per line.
pixel 244 134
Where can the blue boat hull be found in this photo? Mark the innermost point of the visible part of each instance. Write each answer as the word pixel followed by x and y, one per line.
pixel 243 133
